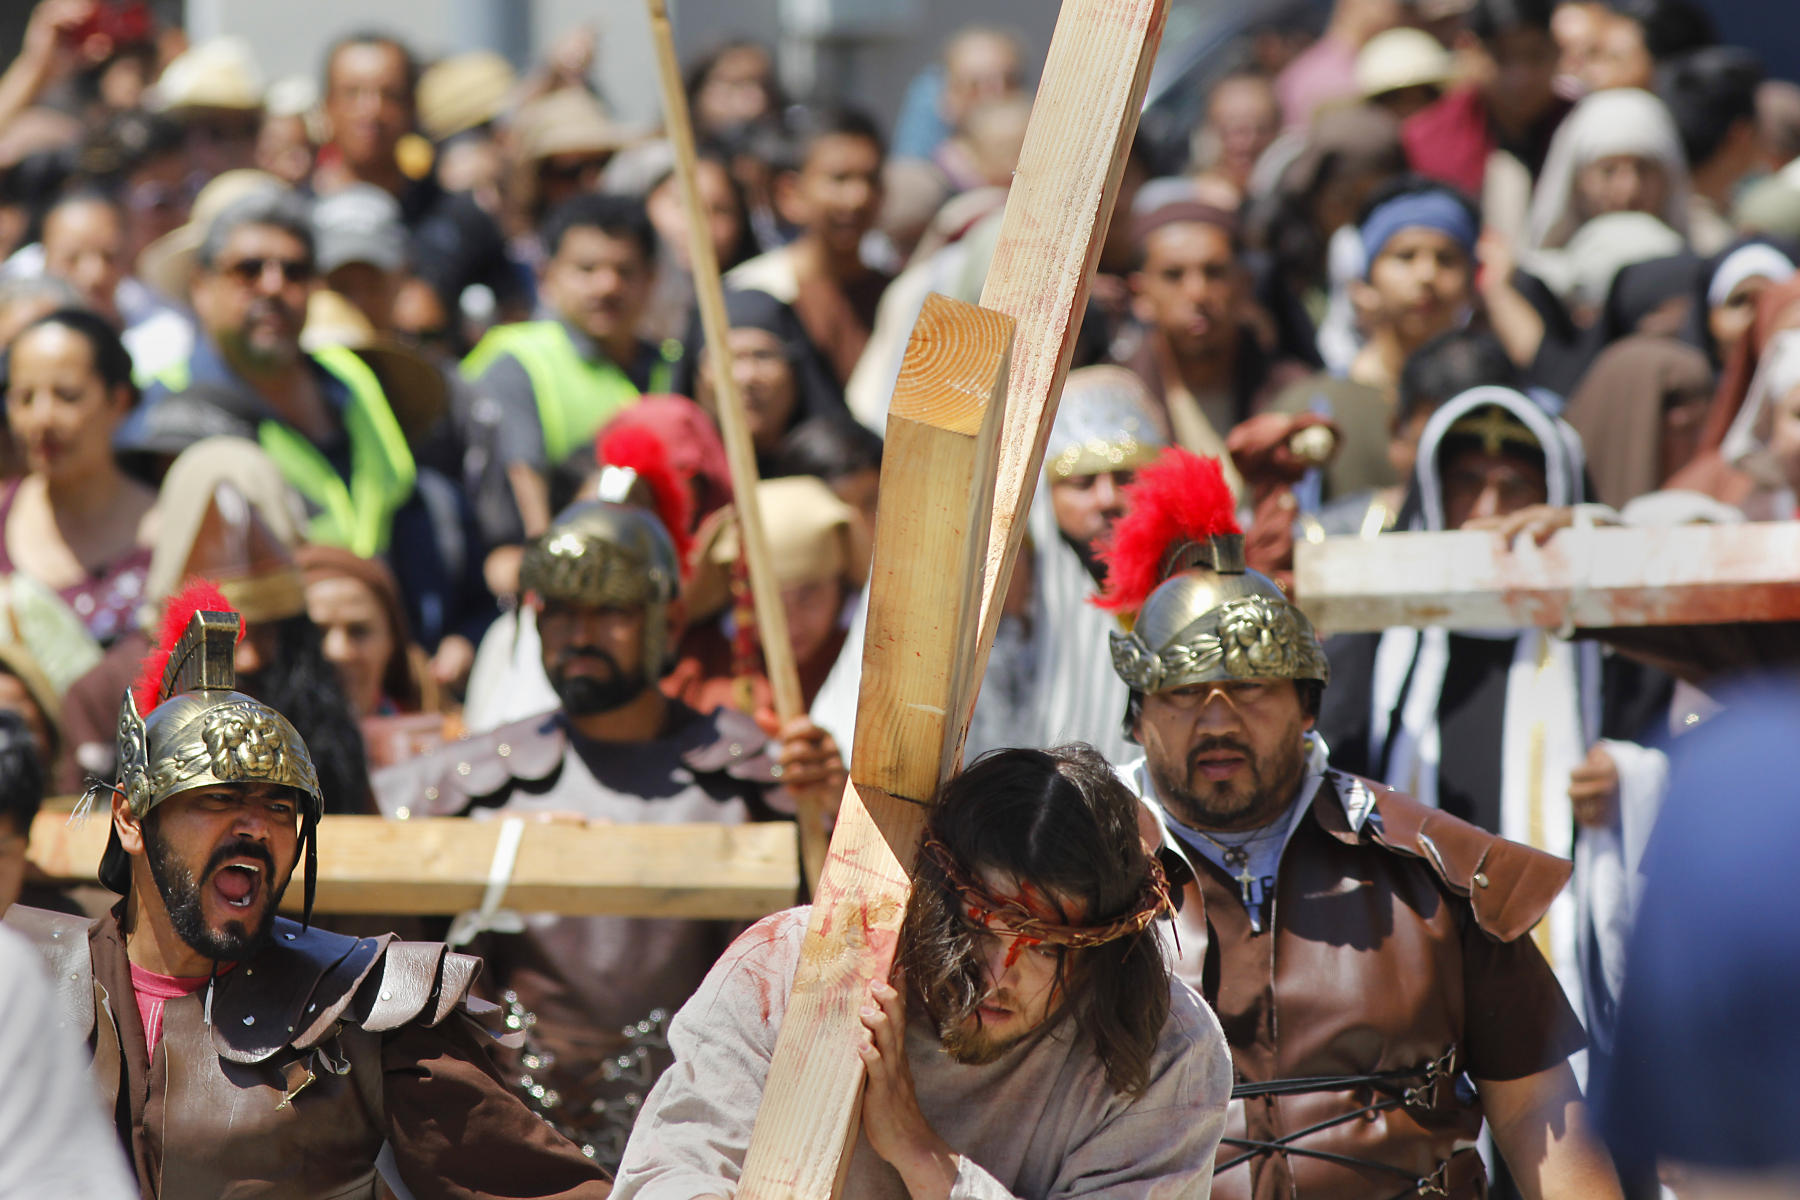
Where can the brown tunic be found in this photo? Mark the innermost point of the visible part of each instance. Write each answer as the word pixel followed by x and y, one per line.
pixel 318 1051
pixel 1395 945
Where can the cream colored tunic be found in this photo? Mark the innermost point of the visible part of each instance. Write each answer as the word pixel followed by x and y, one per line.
pixel 1039 1123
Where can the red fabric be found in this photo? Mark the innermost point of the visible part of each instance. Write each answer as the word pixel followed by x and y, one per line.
pixel 641 449
pixel 1450 141
pixel 200 595
pixel 1179 497
pixel 696 452
pixel 1777 308
pixel 152 991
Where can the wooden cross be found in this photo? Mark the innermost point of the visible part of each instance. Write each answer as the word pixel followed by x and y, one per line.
pixel 966 433
pixel 1582 578
pixel 438 866
pixel 1697 601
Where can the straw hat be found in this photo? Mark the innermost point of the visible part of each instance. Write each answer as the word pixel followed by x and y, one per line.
pixel 812 536
pixel 167 264
pixel 464 91
pixel 1401 58
pixel 567 121
pixel 219 73
pixel 415 390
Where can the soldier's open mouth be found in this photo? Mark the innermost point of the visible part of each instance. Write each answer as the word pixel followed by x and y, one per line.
pixel 237 883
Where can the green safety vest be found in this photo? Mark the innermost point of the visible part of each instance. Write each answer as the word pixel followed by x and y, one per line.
pixel 574 396
pixel 358 516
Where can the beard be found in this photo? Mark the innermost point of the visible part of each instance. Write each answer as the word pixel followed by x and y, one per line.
pixel 968 1041
pixel 1204 804
pixel 586 695
pixel 180 889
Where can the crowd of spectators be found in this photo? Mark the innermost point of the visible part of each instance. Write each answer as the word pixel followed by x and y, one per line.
pixel 350 343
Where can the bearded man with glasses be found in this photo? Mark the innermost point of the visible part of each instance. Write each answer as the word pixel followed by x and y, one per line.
pixel 324 417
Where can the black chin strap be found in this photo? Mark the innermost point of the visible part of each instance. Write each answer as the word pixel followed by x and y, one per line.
pixel 310 841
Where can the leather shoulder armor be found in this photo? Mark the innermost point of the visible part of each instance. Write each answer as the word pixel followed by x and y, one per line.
pixel 62 940
pixel 726 742
pixel 447 781
pixel 307 983
pixel 1509 886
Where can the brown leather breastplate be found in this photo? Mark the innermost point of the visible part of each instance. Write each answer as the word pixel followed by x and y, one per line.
pixel 1362 976
pixel 301 1125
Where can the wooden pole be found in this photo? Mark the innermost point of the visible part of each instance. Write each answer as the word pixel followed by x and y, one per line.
pixel 709 292
pixel 438 866
pixel 924 605
pixel 1057 213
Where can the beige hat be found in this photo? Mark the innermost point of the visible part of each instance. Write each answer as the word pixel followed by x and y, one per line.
pixel 415 390
pixel 567 121
pixel 813 536
pixel 203 523
pixel 463 91
pixel 219 73
pixel 1401 58
pixel 167 264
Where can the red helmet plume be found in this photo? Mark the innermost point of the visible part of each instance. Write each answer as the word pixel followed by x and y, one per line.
pixel 1181 497
pixel 638 449
pixel 200 595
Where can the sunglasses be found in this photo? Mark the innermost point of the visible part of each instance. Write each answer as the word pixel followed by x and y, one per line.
pixel 250 270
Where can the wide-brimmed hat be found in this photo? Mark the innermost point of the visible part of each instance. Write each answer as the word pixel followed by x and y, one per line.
pixel 218 73
pixel 1401 58
pixel 167 264
pixel 464 91
pixel 415 389
pixel 567 121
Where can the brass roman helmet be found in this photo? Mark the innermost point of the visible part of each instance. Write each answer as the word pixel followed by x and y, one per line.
pixel 598 554
pixel 1216 620
pixel 201 732
pixel 1176 558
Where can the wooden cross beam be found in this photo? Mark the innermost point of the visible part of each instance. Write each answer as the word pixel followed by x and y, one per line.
pixel 957 477
pixel 439 866
pixel 1602 578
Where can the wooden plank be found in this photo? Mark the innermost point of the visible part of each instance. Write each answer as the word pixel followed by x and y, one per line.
pixel 924 602
pixel 1598 578
pixel 439 866
pixel 930 545
pixel 709 294
pixel 1057 213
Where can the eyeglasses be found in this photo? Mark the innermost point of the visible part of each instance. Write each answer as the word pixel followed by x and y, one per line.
pixel 250 270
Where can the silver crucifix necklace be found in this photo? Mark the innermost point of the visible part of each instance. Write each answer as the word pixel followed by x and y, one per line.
pixel 1237 855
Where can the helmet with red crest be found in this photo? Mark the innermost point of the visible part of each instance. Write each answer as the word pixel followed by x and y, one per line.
pixel 197 730
pixel 1175 567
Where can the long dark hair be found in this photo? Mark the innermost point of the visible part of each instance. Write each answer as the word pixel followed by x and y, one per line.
pixel 1063 821
pixel 300 683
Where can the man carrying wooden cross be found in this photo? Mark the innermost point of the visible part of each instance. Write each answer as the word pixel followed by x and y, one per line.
pixel 1032 1042
pixel 1365 953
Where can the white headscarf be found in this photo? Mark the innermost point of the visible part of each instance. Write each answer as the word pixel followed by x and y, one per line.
pixel 1614 122
pixel 1777 375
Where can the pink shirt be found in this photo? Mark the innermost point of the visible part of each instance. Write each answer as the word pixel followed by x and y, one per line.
pixel 153 991
pixel 1323 72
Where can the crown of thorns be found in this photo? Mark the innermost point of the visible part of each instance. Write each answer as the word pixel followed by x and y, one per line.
pixel 1030 928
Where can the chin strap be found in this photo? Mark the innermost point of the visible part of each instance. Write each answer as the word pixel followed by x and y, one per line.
pixel 309 838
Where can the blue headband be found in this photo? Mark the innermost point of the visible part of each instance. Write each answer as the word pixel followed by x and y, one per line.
pixel 1433 209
